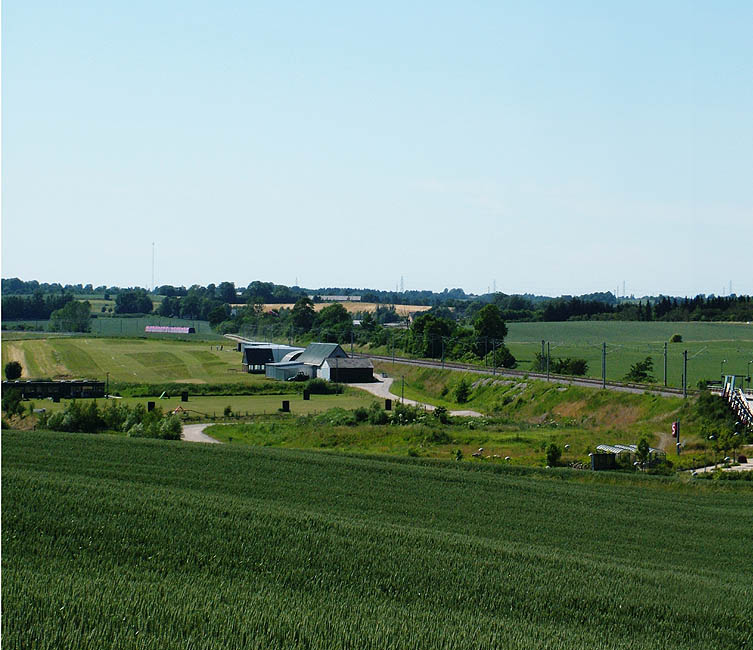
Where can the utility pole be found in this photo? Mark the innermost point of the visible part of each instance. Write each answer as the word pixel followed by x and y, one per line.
pixel 351 342
pixel 542 351
pixel 665 364
pixel 604 365
pixel 443 353
pixel 494 356
pixel 685 374
pixel 547 360
pixel 393 347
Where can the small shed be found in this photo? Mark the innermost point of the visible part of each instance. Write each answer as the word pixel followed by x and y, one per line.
pixel 347 370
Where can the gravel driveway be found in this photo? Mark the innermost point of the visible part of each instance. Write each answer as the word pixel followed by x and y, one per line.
pixel 195 433
pixel 381 388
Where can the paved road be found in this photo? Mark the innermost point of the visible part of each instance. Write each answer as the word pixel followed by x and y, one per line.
pixel 195 433
pixel 506 372
pixel 381 388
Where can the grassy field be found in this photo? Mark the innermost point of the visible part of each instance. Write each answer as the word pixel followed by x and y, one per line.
pixel 203 407
pixel 708 344
pixel 123 543
pixel 117 326
pixel 127 359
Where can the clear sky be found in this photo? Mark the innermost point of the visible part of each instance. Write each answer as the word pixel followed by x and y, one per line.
pixel 552 147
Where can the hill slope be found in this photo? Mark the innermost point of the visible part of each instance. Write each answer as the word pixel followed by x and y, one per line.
pixel 125 543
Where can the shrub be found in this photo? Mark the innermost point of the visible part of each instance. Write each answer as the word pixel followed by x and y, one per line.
pixel 676 338
pixel 640 371
pixel 228 411
pixel 377 415
pixel 406 414
pixel 441 414
pixel 361 414
pixel 12 402
pixel 319 386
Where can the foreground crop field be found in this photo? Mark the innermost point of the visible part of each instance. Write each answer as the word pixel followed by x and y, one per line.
pixel 136 360
pixel 124 543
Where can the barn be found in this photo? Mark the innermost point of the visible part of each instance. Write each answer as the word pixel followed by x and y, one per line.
pixel 309 361
pixel 347 370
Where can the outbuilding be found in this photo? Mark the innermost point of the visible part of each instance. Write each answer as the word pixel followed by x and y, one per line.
pixel 347 370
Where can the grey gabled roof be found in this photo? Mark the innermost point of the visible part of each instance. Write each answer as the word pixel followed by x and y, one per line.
pixel 349 363
pixel 316 353
pixel 622 449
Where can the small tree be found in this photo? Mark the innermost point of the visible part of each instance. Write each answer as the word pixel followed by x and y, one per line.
pixel 643 452
pixel 553 455
pixel 676 338
pixel 462 391
pixel 640 371
pixel 13 370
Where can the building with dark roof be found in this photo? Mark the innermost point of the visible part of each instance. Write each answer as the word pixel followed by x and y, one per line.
pixel 347 370
pixel 322 360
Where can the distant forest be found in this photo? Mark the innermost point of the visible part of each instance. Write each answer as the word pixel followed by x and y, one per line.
pixel 34 300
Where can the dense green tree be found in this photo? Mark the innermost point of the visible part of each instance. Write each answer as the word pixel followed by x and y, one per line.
pixel 74 317
pixel 134 301
pixel 13 370
pixel 303 314
pixel 489 323
pixel 226 292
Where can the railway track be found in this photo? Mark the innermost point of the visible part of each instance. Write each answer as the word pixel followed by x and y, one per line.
pixel 509 372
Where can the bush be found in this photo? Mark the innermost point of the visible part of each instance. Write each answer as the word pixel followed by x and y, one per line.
pixel 319 386
pixel 406 414
pixel 228 411
pixel 13 370
pixel 441 414
pixel 676 338
pixel 361 414
pixel 377 415
pixel 640 371
pixel 12 402
pixel 553 455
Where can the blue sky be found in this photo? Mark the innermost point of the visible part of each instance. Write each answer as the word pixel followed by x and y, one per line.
pixel 550 147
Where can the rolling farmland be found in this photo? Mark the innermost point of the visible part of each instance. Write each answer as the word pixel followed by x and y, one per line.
pixel 286 549
pixel 138 360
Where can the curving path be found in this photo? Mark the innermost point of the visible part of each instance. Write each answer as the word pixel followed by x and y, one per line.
pixel 195 433
pixel 381 388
